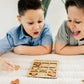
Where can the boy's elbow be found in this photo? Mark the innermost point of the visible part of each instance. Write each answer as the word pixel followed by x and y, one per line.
pixel 47 50
pixel 58 52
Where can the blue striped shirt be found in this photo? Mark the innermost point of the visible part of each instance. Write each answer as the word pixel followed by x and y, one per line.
pixel 16 36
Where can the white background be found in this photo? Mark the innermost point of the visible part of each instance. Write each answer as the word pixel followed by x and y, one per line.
pixel 8 15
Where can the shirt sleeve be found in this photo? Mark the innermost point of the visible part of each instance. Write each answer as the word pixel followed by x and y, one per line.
pixel 62 35
pixel 6 43
pixel 47 36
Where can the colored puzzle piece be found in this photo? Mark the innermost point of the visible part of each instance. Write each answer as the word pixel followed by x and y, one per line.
pixel 15 82
pixel 17 67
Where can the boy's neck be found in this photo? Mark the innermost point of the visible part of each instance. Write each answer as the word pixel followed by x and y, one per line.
pixel 26 33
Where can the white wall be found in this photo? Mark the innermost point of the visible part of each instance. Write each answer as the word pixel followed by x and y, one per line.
pixel 56 15
pixel 8 15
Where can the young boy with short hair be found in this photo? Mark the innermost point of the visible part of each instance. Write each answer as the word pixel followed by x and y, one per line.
pixel 31 37
pixel 70 37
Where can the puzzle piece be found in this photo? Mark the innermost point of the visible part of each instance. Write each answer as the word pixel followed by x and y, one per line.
pixel 15 82
pixel 37 63
pixel 51 74
pixel 33 73
pixel 17 67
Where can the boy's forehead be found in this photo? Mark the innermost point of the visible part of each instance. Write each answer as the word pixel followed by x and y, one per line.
pixel 33 10
pixel 30 18
pixel 74 11
pixel 30 14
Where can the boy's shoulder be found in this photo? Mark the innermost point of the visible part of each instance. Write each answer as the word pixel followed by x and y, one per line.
pixel 65 23
pixel 15 30
pixel 46 26
pixel 64 26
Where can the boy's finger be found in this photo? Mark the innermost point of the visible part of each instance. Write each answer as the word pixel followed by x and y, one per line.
pixel 8 67
pixel 10 63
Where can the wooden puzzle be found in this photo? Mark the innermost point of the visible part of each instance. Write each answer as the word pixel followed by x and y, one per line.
pixel 44 69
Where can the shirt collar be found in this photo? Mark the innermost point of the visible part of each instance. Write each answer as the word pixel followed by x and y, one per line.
pixel 22 34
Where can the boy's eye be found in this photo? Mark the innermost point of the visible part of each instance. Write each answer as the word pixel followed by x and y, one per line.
pixel 69 20
pixel 39 21
pixel 30 23
pixel 78 22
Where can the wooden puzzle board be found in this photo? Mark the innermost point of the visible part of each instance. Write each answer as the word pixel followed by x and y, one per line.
pixel 44 69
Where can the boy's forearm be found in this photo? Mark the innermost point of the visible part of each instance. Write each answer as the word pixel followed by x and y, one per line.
pixel 38 50
pixel 71 50
pixel 34 50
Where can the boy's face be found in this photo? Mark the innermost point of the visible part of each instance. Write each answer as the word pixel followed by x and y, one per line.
pixel 33 22
pixel 76 22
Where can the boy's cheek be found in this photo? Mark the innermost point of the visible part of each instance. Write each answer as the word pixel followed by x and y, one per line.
pixel 68 24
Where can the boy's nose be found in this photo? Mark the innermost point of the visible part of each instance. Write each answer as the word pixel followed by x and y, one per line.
pixel 72 25
pixel 36 26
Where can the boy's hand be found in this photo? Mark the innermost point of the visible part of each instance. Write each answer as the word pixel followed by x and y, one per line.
pixel 6 65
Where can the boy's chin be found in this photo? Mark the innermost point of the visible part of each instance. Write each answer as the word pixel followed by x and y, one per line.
pixel 34 36
pixel 77 38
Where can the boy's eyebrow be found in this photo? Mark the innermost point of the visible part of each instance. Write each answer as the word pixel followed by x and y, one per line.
pixel 74 18
pixel 32 19
pixel 28 18
pixel 41 18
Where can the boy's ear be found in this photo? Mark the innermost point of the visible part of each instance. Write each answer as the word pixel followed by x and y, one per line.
pixel 19 19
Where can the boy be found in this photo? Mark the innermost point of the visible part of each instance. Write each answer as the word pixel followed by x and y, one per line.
pixel 32 36
pixel 70 37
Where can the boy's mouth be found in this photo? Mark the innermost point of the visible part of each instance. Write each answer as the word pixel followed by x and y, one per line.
pixel 76 33
pixel 35 33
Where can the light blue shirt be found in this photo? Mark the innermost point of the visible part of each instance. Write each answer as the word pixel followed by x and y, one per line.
pixel 16 36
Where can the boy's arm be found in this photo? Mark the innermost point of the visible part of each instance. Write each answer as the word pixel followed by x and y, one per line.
pixel 63 49
pixel 6 43
pixel 33 50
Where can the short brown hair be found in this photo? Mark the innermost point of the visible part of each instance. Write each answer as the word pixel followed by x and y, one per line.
pixel 24 5
pixel 77 3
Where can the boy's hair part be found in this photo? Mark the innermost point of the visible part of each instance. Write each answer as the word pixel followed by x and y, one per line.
pixel 24 5
pixel 77 3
